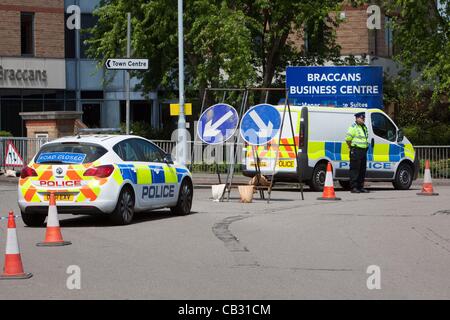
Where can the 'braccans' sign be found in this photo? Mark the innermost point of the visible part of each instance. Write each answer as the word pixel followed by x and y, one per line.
pixel 347 86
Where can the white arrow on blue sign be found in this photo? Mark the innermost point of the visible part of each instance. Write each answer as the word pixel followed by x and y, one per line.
pixel 217 124
pixel 260 124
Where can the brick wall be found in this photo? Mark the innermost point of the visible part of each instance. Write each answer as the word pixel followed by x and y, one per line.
pixel 352 34
pixel 9 33
pixel 48 24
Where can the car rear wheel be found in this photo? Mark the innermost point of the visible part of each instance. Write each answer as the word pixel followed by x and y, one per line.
pixel 184 203
pixel 33 219
pixel 124 211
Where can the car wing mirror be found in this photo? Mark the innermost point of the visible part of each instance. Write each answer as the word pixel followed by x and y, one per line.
pixel 168 159
pixel 400 135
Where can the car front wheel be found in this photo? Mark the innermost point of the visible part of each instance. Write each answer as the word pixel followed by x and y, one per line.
pixel 403 177
pixel 184 203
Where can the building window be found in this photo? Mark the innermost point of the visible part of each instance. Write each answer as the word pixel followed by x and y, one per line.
pixel 88 21
pixel 27 33
pixel 314 37
pixel 69 40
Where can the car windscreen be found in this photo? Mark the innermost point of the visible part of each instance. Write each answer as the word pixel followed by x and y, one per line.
pixel 69 153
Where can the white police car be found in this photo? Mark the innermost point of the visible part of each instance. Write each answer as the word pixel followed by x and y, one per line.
pixel 103 174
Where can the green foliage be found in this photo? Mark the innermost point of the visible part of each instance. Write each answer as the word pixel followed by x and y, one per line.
pixel 228 43
pixel 428 134
pixel 424 120
pixel 422 36
pixel 145 130
pixel 5 134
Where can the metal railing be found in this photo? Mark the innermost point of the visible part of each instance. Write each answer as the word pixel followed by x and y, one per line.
pixel 439 160
pixel 26 147
pixel 216 158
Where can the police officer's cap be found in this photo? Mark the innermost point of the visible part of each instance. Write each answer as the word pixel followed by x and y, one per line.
pixel 360 114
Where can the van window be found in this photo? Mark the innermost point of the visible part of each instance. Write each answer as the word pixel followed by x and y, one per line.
pixel 383 127
pixel 69 153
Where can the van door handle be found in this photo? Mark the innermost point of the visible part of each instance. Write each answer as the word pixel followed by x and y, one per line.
pixel 372 143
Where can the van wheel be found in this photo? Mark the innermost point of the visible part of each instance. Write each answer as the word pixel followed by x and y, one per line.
pixel 403 177
pixel 33 219
pixel 124 211
pixel 318 178
pixel 184 203
pixel 345 184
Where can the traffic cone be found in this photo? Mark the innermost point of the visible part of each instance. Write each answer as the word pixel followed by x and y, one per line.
pixel 53 236
pixel 427 187
pixel 13 262
pixel 328 189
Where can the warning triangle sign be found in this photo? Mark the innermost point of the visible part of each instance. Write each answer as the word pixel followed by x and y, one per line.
pixel 12 157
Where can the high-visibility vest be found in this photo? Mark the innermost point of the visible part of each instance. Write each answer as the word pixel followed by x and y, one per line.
pixel 358 135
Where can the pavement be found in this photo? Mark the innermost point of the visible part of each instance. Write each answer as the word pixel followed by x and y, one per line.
pixel 287 249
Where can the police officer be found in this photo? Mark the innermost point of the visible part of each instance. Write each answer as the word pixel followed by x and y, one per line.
pixel 357 141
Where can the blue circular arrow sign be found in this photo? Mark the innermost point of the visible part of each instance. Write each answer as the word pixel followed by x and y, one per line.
pixel 260 124
pixel 217 124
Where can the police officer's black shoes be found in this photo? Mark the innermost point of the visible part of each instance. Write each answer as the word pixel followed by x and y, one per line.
pixel 362 190
pixel 354 190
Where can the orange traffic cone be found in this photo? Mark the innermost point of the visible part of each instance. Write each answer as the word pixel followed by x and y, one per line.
pixel 53 236
pixel 13 262
pixel 328 189
pixel 427 187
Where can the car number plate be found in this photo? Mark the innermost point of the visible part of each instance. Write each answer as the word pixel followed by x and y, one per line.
pixel 60 197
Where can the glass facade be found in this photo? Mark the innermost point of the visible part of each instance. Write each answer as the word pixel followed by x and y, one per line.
pixel 14 101
pixel 103 105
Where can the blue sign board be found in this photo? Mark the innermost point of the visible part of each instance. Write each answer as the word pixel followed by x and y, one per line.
pixel 217 124
pixel 63 157
pixel 260 124
pixel 346 86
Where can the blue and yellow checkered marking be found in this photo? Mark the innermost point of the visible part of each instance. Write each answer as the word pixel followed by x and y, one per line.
pixel 338 151
pixel 158 175
pixel 180 173
pixel 149 174
pixel 127 171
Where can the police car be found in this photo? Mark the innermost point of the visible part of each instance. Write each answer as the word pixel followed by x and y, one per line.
pixel 116 175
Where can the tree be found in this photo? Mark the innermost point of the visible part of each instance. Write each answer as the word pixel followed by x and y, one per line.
pixel 231 43
pixel 422 40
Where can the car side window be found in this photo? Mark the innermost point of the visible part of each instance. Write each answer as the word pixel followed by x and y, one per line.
pixel 383 127
pixel 148 151
pixel 126 151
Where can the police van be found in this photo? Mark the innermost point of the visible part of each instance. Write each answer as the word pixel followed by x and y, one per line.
pixel 319 135
pixel 114 175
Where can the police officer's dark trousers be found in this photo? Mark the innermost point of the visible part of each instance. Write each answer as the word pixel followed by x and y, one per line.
pixel 358 164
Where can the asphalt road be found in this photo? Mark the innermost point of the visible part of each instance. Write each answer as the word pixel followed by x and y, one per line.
pixel 288 249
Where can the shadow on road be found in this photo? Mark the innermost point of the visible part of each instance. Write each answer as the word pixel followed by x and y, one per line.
pixel 84 221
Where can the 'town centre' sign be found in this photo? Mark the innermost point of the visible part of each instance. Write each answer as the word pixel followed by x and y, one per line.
pixel 126 64
pixel 346 86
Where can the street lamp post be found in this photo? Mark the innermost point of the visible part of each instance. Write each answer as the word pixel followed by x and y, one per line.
pixel 182 139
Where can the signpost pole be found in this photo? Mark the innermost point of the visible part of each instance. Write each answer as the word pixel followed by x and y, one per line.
pixel 182 143
pixel 127 75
